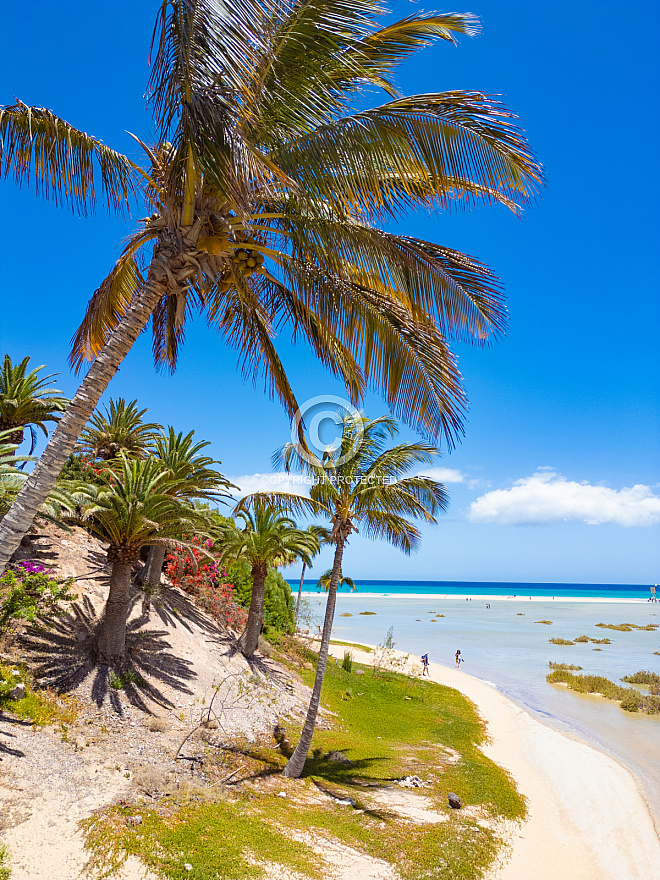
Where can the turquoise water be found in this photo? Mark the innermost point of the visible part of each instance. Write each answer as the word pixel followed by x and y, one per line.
pixel 495 588
pixel 505 645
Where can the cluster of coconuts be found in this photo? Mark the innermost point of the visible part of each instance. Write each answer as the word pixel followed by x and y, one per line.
pixel 248 261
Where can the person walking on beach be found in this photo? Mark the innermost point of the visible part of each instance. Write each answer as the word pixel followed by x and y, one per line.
pixel 458 659
pixel 425 665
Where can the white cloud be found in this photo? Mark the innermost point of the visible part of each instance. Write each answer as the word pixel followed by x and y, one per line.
pixel 443 474
pixel 270 482
pixel 547 497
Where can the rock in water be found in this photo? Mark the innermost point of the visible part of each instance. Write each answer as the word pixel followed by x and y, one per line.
pixel 454 801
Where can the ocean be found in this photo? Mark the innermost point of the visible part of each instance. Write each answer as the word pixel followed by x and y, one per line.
pixel 506 645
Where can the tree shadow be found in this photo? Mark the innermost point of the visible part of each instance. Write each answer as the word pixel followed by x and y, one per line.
pixel 5 749
pixel 62 657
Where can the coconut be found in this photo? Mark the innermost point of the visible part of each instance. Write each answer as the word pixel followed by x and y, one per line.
pixel 260 259
pixel 203 243
pixel 242 255
pixel 216 245
pixel 251 262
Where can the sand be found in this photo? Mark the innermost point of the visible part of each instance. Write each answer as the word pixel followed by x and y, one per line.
pixel 588 819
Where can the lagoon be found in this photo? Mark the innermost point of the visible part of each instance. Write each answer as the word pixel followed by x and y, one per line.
pixel 506 646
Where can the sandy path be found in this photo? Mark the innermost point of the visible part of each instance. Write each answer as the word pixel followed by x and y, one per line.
pixel 587 817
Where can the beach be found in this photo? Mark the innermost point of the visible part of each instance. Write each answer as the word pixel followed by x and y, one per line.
pixel 588 819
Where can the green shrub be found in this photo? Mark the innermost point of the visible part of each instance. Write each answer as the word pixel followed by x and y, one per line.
pixel 347 662
pixel 279 605
pixel 560 642
pixel 29 592
pixel 629 699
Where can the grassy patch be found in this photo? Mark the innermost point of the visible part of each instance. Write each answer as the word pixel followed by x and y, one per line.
pixel 364 648
pixel 128 677
pixel 391 727
pixel 547 622
pixel 5 870
pixel 39 707
pixel 367 613
pixel 628 627
pixel 565 666
pixel 651 679
pixel 561 642
pixel 585 639
pixel 629 699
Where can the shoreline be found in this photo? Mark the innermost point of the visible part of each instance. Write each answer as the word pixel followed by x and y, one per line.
pixel 603 600
pixel 588 817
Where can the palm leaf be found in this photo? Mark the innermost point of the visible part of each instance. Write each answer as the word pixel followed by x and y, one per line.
pixel 63 161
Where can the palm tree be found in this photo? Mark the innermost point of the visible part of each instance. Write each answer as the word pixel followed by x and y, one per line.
pixel 27 400
pixel 265 192
pixel 191 476
pixel 267 538
pixel 119 428
pixel 361 484
pixel 136 509
pixel 326 579
pixel 323 535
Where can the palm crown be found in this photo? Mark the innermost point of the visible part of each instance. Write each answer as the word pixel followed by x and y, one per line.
pixel 119 428
pixel 27 400
pixel 266 192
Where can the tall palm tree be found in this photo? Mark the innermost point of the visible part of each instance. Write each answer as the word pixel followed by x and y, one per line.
pixel 191 476
pixel 265 191
pixel 323 535
pixel 136 509
pixel 119 428
pixel 27 400
pixel 362 485
pixel 266 539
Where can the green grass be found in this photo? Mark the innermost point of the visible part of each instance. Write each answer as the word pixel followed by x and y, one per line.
pixel 561 642
pixel 5 870
pixel 628 627
pixel 39 707
pixel 564 666
pixel 368 613
pixel 391 726
pixel 364 648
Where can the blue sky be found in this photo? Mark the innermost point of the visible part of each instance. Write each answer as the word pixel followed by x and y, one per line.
pixel 564 412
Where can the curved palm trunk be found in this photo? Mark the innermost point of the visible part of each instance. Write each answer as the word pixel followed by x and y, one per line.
pixel 249 638
pixel 152 573
pixel 33 493
pixel 297 760
pixel 111 650
pixel 302 578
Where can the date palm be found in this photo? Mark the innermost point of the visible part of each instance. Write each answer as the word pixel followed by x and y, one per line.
pixel 118 428
pixel 27 400
pixel 191 476
pixel 266 195
pixel 359 487
pixel 266 538
pixel 137 508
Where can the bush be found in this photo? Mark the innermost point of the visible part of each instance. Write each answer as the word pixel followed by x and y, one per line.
pixel 347 662
pixel 30 593
pixel 203 578
pixel 279 606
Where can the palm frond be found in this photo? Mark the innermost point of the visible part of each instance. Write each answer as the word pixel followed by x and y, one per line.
pixel 62 161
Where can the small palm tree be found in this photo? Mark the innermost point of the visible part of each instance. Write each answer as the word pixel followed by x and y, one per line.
pixel 119 428
pixel 136 509
pixel 266 539
pixel 344 581
pixel 266 196
pixel 323 535
pixel 27 400
pixel 360 485
pixel 191 476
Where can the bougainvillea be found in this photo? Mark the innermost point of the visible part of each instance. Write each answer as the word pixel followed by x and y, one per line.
pixel 202 577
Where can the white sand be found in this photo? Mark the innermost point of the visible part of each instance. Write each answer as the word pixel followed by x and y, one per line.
pixel 588 819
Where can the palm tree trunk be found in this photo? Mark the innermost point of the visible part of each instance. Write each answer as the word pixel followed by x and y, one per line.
pixel 152 572
pixel 112 635
pixel 302 578
pixel 297 760
pixel 33 493
pixel 249 638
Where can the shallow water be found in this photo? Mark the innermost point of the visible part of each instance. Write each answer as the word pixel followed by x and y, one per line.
pixel 504 645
